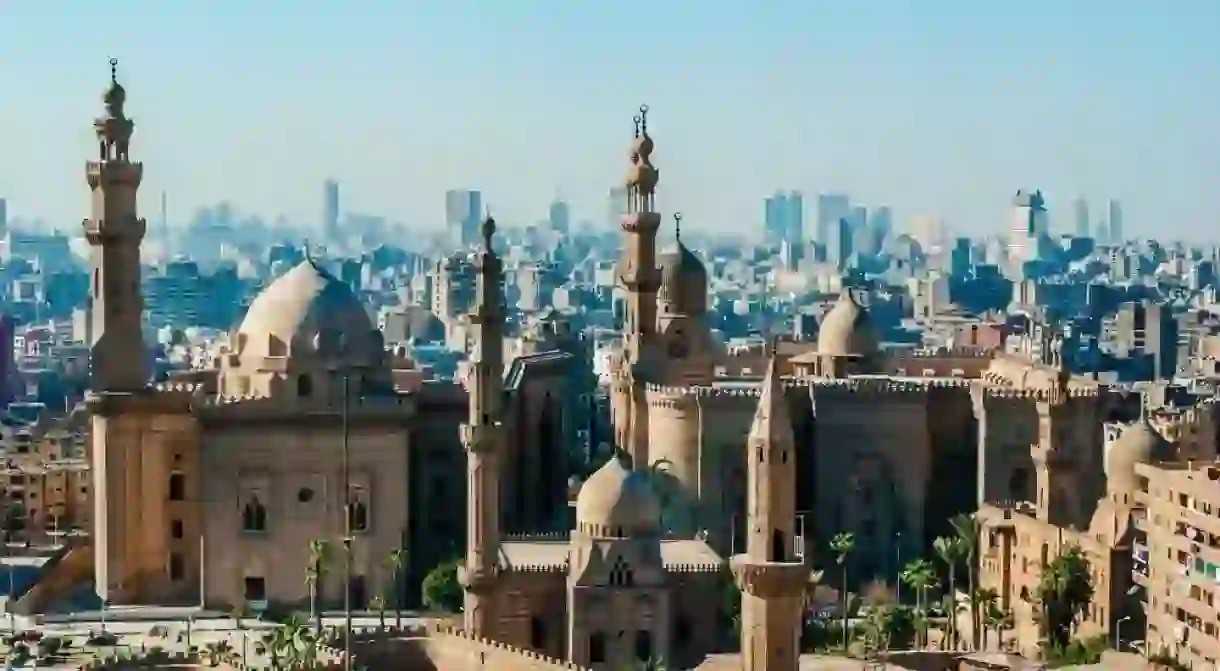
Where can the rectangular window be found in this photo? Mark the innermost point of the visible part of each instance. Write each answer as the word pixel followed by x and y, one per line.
pixel 177 567
pixel 175 529
pixel 177 487
pixel 255 589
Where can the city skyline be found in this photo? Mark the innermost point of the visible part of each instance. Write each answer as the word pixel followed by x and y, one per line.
pixel 239 103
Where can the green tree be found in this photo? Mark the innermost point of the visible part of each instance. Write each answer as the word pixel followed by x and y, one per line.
pixel 842 545
pixel 920 575
pixel 315 575
pixel 951 551
pixel 397 560
pixel 1064 590
pixel 440 588
pixel 291 645
pixel 989 601
pixel 967 528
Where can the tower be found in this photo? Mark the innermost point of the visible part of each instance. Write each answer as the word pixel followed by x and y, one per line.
pixel 482 437
pixel 117 356
pixel 641 278
pixel 771 576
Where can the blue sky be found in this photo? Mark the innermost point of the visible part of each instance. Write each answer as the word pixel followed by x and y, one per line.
pixel 932 106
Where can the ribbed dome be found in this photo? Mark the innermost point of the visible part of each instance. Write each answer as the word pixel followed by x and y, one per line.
pixel 1138 443
pixel 847 330
pixel 683 282
pixel 617 502
pixel 309 310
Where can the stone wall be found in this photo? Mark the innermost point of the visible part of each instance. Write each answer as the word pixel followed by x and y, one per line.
pixel 453 649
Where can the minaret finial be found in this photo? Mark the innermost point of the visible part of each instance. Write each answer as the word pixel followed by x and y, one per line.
pixel 114 70
pixel 488 230
pixel 644 119
pixel 637 121
pixel 678 226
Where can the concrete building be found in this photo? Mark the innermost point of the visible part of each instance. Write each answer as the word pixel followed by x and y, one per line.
pixel 1177 559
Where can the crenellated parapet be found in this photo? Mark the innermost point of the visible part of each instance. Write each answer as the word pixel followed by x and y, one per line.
pixel 551 536
pixel 394 409
pixel 1041 395
pixel 884 386
pixel 699 567
pixel 494 654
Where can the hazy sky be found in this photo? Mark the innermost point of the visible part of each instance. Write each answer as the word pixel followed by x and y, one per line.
pixel 931 106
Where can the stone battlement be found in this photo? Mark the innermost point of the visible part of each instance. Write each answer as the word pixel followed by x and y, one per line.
pixel 465 651
pixel 1043 395
pixel 543 536
pixel 702 567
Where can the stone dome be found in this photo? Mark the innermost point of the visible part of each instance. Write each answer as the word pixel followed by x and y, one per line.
pixel 617 502
pixel 683 282
pixel 1138 443
pixel 847 329
pixel 309 311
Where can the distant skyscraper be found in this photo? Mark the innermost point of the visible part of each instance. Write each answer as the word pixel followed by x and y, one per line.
pixel 330 210
pixel 1028 225
pixel 775 218
pixel 616 206
pixel 831 208
pixel 463 209
pixel 1083 223
pixel 929 232
pixel 560 216
pixel 1116 221
pixel 795 233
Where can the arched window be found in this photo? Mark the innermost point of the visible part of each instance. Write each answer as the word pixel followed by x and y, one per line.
pixel 1018 483
pixel 620 573
pixel 643 646
pixel 537 633
pixel 304 385
pixel 253 516
pixel 177 487
pixel 358 515
pixel 597 648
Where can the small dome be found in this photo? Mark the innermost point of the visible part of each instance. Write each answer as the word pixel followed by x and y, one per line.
pixel 617 502
pixel 683 281
pixel 1138 443
pixel 308 308
pixel 847 330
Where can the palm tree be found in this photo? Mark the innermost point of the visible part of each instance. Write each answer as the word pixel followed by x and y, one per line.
pixel 989 610
pixel 920 575
pixel 843 544
pixel 319 551
pixel 967 528
pixel 291 646
pixel 951 550
pixel 398 563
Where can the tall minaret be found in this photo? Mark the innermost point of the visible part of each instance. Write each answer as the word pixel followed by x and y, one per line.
pixel 639 272
pixel 771 577
pixel 642 278
pixel 118 358
pixel 482 436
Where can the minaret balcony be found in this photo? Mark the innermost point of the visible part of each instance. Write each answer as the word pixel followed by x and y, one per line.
pixel 770 579
pixel 480 437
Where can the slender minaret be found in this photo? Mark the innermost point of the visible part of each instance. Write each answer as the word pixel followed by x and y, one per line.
pixel 642 278
pixel 118 359
pixel 771 577
pixel 482 436
pixel 640 274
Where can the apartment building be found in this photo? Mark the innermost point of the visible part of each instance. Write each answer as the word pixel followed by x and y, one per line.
pixel 1176 555
pixel 45 481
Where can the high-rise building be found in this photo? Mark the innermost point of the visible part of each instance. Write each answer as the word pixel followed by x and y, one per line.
pixel 330 210
pixel 1028 225
pixel 775 212
pixel 1081 210
pixel 3 216
pixel 1115 210
pixel 462 210
pixel 560 216
pixel 831 208
pixel 795 232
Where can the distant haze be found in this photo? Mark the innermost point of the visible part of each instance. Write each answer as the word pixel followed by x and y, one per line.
pixel 942 107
